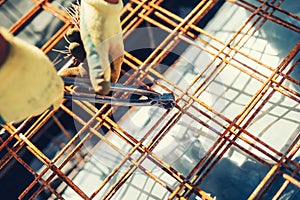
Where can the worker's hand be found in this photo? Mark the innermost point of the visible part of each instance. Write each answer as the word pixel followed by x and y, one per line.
pixel 99 41
pixel 29 83
pixel 101 35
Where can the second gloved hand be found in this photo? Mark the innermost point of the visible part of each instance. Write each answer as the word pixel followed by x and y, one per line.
pixel 29 81
pixel 101 35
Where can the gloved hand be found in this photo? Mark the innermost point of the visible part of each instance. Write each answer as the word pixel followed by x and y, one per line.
pixel 100 30
pixel 101 33
pixel 29 82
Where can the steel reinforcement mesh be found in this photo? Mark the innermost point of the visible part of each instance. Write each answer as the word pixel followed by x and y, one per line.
pixel 233 67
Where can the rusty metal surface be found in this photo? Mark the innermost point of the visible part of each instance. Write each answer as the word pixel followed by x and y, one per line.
pixel 234 127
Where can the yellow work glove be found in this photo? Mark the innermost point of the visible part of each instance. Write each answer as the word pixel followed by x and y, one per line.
pixel 29 81
pixel 101 35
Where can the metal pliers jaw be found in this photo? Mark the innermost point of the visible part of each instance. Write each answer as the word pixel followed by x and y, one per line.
pixel 145 97
pixel 165 100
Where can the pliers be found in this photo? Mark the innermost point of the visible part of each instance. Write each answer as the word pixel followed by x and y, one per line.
pixel 139 96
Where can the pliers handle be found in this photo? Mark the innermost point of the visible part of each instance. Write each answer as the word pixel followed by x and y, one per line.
pixel 150 97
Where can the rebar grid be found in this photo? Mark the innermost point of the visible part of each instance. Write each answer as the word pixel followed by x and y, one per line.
pixel 231 133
